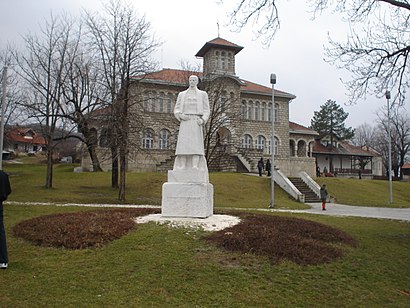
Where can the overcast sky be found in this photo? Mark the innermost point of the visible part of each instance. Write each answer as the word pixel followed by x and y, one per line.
pixel 295 56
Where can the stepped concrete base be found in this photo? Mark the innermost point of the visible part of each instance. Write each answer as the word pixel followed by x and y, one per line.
pixel 188 176
pixel 187 200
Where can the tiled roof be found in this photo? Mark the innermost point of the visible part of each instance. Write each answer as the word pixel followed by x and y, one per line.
pixel 343 148
pixel 170 76
pixel 406 166
pixel 180 77
pixel 218 42
pixel 23 135
pixel 297 128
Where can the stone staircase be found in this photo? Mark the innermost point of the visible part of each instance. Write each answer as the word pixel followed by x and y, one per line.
pixel 310 196
pixel 166 165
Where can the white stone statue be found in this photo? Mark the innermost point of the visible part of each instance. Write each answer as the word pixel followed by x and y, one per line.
pixel 192 110
pixel 188 192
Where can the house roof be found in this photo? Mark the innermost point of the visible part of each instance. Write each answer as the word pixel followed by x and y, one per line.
pixel 406 166
pixel 24 135
pixel 344 148
pixel 221 43
pixel 300 129
pixel 180 78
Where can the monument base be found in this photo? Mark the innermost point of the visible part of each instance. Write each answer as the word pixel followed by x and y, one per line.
pixel 187 200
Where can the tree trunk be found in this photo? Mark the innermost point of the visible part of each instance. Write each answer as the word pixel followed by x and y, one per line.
pixel 49 174
pixel 114 168
pixel 121 193
pixel 94 158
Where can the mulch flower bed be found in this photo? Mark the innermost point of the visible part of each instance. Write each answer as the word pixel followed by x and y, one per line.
pixel 279 238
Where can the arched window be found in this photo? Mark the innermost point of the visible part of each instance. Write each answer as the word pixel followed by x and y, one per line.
pixel 161 101
pixel 246 141
pixel 249 114
pixel 260 142
pixel 93 136
pixel 223 60
pixel 145 100
pixel 148 139
pixel 276 146
pixel 244 110
pixel 230 61
pixel 164 139
pixel 168 102
pixel 218 59
pixel 270 112
pixel 223 101
pixel 153 101
pixel 301 148
pixel 257 111
pixel 276 112
pixel 105 137
pixel 263 112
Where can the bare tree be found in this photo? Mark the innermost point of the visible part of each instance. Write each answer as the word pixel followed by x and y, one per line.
pixel 223 111
pixel 399 134
pixel 13 114
pixel 125 45
pixel 376 54
pixel 83 94
pixel 41 67
pixel 364 135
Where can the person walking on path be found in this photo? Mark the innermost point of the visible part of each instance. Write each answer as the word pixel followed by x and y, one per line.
pixel 5 190
pixel 260 166
pixel 323 196
pixel 268 167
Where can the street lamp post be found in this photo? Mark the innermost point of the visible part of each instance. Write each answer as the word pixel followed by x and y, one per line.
pixel 388 96
pixel 3 108
pixel 272 179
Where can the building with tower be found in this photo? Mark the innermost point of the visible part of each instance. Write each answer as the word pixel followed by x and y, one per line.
pixel 238 133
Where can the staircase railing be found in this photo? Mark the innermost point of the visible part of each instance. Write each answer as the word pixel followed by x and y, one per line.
pixel 244 161
pixel 284 183
pixel 315 187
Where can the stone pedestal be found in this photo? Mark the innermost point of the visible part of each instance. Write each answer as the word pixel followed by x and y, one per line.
pixel 187 193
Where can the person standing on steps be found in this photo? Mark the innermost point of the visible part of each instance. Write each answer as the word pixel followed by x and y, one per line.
pixel 323 196
pixel 268 167
pixel 260 166
pixel 5 190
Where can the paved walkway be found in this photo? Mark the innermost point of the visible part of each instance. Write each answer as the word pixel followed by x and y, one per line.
pixel 333 209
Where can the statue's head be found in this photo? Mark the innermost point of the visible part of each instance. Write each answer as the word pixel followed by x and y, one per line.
pixel 193 81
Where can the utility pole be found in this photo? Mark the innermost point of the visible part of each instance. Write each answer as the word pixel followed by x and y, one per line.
pixel 388 96
pixel 272 178
pixel 3 109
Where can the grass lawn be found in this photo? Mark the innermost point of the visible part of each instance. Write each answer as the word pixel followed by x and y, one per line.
pixel 231 189
pixel 367 192
pixel 156 266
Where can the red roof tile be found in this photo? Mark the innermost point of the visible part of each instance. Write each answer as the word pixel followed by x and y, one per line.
pixel 294 127
pixel 218 42
pixel 344 148
pixel 406 166
pixel 22 135
pixel 180 77
pixel 170 75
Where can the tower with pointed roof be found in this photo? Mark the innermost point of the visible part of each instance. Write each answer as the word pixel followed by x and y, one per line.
pixel 219 57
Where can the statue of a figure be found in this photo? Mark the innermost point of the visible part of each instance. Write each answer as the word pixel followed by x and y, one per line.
pixel 192 110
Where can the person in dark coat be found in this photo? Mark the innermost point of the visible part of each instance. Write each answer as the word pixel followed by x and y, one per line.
pixel 5 190
pixel 260 166
pixel 268 167
pixel 323 196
